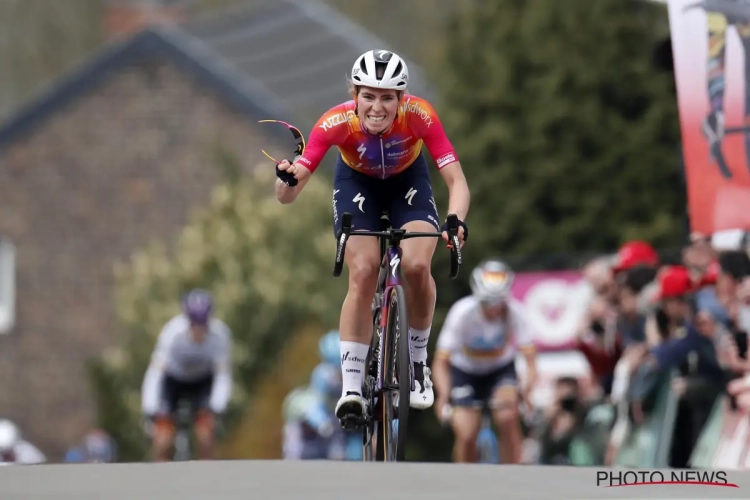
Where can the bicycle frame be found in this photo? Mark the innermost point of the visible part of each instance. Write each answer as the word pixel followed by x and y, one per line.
pixel 393 278
pixel 391 264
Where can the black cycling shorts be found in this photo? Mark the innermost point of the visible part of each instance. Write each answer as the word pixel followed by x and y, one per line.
pixel 469 389
pixel 196 393
pixel 406 197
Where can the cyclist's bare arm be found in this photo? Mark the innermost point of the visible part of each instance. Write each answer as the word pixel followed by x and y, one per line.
pixel 221 390
pixel 448 341
pixel 321 139
pixel 458 190
pixel 287 194
pixel 441 376
pixel 526 344
pixel 151 390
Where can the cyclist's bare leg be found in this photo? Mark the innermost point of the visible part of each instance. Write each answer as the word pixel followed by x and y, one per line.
pixel 507 420
pixel 419 287
pixel 162 440
pixel 466 423
pixel 416 266
pixel 362 259
pixel 204 436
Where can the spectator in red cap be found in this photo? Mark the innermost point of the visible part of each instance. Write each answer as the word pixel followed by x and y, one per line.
pixel 687 346
pixel 635 268
pixel 635 253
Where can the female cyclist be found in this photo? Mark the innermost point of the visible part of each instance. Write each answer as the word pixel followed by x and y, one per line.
pixel 381 167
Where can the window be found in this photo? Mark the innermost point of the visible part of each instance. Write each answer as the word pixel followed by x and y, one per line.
pixel 7 285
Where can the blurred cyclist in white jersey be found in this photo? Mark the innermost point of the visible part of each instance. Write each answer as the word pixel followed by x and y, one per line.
pixel 474 367
pixel 191 362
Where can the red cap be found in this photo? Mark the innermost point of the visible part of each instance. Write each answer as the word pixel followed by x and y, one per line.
pixel 674 282
pixel 711 275
pixel 635 253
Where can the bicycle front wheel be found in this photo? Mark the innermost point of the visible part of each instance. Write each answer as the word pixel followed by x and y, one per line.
pixel 397 377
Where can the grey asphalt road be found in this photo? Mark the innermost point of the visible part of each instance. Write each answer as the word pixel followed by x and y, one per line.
pixel 312 480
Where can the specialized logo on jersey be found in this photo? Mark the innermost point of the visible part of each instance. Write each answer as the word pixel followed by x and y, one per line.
pixel 410 195
pixel 359 199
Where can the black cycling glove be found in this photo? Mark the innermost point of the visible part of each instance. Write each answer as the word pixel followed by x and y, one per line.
pixel 287 178
pixel 460 224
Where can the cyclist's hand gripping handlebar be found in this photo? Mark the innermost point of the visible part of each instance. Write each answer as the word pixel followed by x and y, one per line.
pixel 456 260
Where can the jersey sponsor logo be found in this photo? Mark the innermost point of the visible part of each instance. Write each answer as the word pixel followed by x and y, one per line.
pixel 335 209
pixel 390 144
pixel 362 149
pixel 359 199
pixel 304 160
pixel 336 120
pixel 399 154
pixel 413 107
pixel 410 195
pixel 445 160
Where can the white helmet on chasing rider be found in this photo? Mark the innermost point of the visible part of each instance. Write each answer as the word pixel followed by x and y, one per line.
pixel 491 281
pixel 395 73
pixel 9 435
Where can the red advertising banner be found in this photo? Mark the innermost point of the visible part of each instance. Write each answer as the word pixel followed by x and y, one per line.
pixel 555 302
pixel 710 44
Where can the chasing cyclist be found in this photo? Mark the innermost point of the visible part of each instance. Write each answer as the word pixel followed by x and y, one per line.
pixel 381 166
pixel 475 363
pixel 191 361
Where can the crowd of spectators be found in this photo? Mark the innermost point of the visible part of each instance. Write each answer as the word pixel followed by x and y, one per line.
pixel 652 323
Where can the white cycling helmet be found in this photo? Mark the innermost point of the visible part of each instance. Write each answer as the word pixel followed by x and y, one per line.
pixel 395 73
pixel 9 435
pixel 491 281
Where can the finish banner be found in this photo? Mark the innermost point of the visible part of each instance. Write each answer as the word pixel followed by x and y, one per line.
pixel 711 49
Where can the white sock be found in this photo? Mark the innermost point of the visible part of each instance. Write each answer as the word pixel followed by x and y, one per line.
pixel 353 355
pixel 419 339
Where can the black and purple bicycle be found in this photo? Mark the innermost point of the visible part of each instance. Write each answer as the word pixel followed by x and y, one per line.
pixel 389 375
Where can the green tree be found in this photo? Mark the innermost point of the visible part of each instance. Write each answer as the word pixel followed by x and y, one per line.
pixel 41 39
pixel 269 267
pixel 568 135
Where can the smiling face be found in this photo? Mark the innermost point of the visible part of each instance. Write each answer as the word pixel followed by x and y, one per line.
pixel 377 108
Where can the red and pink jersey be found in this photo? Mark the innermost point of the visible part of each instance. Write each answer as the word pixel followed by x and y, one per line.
pixel 382 155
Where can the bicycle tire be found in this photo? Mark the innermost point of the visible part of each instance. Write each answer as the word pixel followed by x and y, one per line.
pixel 396 365
pixel 369 430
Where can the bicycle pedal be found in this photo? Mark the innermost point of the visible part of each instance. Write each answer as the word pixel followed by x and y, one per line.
pixel 350 422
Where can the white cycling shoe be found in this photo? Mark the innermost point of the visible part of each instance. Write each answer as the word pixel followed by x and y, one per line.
pixel 351 406
pixel 422 397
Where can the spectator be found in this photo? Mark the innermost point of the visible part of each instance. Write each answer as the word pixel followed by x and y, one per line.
pixel 311 432
pixel 597 336
pixel 14 449
pixel 96 447
pixel 688 346
pixel 599 342
pixel 562 423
